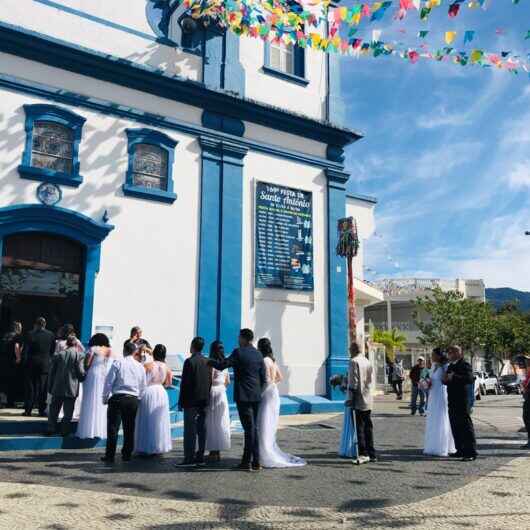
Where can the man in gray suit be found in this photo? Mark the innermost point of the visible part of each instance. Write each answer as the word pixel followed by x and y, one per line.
pixel 360 398
pixel 66 372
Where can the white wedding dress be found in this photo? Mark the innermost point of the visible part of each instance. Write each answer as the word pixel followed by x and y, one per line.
pixel 93 413
pixel 438 436
pixel 270 455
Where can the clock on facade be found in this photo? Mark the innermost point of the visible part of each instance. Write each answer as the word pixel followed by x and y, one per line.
pixel 49 194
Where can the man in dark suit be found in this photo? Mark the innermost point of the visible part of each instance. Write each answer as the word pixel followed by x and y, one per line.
pixel 458 378
pixel 40 348
pixel 249 381
pixel 193 399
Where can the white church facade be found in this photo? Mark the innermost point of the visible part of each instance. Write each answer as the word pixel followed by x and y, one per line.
pixel 159 171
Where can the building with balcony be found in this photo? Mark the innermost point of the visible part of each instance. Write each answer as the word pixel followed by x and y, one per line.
pixel 398 308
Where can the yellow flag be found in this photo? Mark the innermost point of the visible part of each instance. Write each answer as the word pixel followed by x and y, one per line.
pixel 450 36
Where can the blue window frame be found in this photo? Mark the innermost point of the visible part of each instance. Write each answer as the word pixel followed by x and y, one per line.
pixel 51 154
pixel 286 62
pixel 150 168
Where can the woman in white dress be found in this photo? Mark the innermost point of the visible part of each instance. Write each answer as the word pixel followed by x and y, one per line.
pixel 93 414
pixel 438 436
pixel 270 454
pixel 218 412
pixel 153 429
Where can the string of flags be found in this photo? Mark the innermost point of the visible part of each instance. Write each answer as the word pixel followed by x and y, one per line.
pixel 299 22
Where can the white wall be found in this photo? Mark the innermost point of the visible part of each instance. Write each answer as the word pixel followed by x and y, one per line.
pixel 148 270
pixel 308 100
pixel 90 34
pixel 363 212
pixel 296 323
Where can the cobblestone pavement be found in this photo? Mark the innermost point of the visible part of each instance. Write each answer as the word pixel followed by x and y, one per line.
pixel 67 490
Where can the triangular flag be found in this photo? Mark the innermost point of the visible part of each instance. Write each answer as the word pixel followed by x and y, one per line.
pixel 422 34
pixel 450 36
pixel 468 36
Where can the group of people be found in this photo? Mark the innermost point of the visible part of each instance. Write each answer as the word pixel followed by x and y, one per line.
pixel 116 389
pixel 204 402
pixel 449 430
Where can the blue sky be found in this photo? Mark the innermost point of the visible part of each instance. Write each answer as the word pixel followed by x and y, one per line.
pixel 446 151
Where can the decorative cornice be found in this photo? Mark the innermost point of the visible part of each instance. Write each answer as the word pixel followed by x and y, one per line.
pixel 110 108
pixel 60 54
pixel 337 177
pixel 35 216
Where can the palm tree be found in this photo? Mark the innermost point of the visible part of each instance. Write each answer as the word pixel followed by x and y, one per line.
pixel 392 340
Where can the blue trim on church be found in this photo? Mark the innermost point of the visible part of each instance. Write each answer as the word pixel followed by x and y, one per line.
pixel 158 139
pixel 337 360
pixel 58 53
pixel 60 116
pixel 73 225
pixel 220 255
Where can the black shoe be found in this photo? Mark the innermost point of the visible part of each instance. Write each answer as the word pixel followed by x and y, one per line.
pixel 373 459
pixel 26 413
pixel 455 455
pixel 199 462
pixel 469 458
pixel 43 415
pixel 256 467
pixel 126 458
pixel 412 412
pixel 185 463
pixel 244 467
pixel 107 459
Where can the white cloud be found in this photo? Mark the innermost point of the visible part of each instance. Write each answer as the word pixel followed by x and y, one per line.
pixel 442 118
pixel 519 176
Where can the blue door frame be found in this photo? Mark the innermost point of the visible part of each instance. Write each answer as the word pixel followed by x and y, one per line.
pixel 26 218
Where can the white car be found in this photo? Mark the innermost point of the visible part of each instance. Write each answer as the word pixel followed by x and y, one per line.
pixel 487 383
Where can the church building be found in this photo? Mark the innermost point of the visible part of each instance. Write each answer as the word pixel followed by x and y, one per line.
pixel 159 171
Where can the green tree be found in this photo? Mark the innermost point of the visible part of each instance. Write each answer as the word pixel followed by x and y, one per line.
pixel 392 340
pixel 444 325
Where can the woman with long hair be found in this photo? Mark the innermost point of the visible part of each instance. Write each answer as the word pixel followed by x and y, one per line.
pixel 270 454
pixel 438 436
pixel 93 414
pixel 218 412
pixel 153 429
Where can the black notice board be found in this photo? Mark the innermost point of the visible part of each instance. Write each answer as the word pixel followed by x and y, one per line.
pixel 284 237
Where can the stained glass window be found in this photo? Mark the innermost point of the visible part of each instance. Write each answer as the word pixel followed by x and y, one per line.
pixel 150 166
pixel 53 146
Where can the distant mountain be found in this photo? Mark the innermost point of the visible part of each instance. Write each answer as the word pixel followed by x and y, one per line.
pixel 501 295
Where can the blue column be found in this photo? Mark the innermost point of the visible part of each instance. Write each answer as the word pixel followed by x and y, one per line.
pixel 231 243
pixel 93 253
pixel 209 276
pixel 338 358
pixel 221 66
pixel 219 300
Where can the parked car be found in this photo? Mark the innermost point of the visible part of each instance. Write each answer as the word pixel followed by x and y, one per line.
pixel 487 383
pixel 511 384
pixel 477 394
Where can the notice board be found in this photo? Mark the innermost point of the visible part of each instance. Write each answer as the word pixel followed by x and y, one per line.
pixel 284 237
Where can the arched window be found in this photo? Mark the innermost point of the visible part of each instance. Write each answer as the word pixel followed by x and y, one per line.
pixel 53 146
pixel 53 135
pixel 150 166
pixel 150 170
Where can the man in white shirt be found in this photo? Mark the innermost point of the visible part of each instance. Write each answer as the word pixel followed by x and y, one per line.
pixel 360 377
pixel 124 387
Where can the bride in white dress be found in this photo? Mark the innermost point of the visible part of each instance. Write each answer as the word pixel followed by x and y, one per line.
pixel 153 428
pixel 438 436
pixel 93 414
pixel 270 454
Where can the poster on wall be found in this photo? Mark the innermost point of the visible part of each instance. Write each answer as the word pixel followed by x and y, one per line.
pixel 284 237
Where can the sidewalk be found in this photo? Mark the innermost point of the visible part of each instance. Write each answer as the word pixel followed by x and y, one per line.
pixel 405 490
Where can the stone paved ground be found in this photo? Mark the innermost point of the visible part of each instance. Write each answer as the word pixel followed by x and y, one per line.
pixel 67 490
